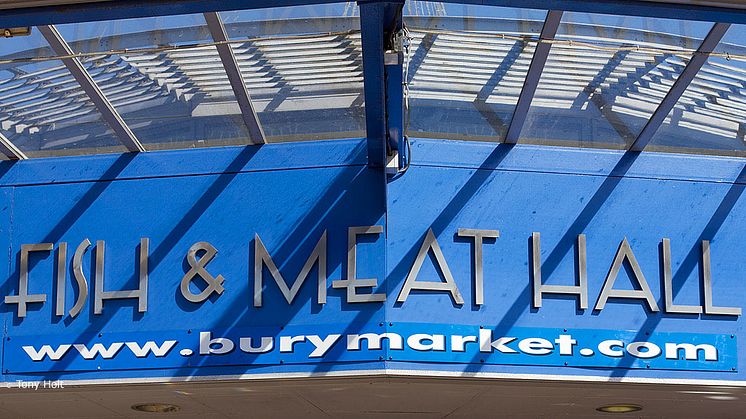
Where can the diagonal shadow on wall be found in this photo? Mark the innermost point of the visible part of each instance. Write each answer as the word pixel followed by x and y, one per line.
pixel 690 262
pixel 98 188
pixel 565 244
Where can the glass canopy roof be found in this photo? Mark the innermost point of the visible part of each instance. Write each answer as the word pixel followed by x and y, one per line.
pixel 605 77
pixel 296 74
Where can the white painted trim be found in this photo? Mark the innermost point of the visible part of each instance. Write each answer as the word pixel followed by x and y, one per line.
pixel 554 377
pixel 394 373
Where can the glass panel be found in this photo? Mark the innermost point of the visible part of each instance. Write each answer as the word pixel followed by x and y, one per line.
pixel 43 110
pixel 605 76
pixel 710 117
pixel 162 85
pixel 303 68
pixel 140 33
pixel 270 21
pixel 466 66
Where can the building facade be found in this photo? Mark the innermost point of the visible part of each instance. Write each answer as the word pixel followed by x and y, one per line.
pixel 518 209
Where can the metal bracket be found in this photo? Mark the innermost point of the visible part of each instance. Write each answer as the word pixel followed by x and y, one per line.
pixel 392 163
pixel 400 38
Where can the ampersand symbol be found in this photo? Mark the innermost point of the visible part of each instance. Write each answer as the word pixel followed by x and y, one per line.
pixel 214 284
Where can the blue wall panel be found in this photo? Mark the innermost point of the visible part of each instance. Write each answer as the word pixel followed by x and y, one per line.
pixel 289 208
pixel 290 194
pixel 561 193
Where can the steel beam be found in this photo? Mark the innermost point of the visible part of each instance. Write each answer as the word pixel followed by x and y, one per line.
pixel 371 24
pixel 225 51
pixel 541 53
pixel 107 110
pixel 679 87
pixel 10 150
pixel 129 9
pixel 378 22
pixel 712 12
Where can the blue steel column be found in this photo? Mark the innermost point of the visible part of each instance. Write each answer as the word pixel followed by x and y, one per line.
pixel 378 22
pixel 393 69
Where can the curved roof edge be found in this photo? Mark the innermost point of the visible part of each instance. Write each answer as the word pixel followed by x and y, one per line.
pixel 18 4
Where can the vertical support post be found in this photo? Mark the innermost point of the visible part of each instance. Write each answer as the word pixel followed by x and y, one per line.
pixel 379 21
pixel 394 71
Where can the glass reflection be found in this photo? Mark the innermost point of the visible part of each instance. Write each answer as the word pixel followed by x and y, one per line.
pixel 43 110
pixel 710 117
pixel 466 66
pixel 605 76
pixel 303 67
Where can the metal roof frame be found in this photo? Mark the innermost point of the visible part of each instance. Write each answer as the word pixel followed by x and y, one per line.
pixel 128 9
pixel 541 53
pixel 228 59
pixel 379 20
pixel 682 82
pixel 10 150
pixel 89 86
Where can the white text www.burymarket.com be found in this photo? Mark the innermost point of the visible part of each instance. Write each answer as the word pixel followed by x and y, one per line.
pixel 316 346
